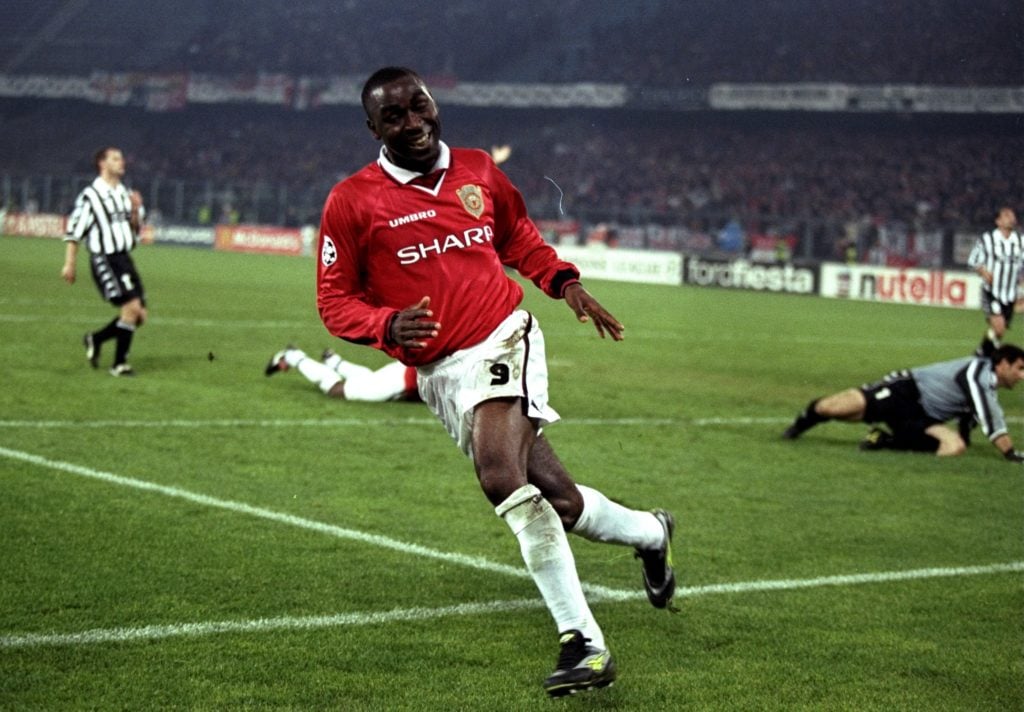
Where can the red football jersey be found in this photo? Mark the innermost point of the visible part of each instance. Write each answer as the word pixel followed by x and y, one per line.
pixel 384 245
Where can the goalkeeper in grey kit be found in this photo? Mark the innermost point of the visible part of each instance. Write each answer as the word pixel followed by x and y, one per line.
pixel 917 403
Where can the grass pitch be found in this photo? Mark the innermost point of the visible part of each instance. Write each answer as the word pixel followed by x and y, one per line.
pixel 204 537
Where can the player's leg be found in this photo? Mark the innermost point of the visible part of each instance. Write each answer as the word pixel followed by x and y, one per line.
pixel 996 329
pixel 387 383
pixel 845 405
pixel 123 288
pixel 950 442
pixel 346 369
pixel 130 317
pixel 324 378
pixel 110 289
pixel 492 398
pixel 997 316
pixel 936 439
pixel 93 341
pixel 588 513
pixel 501 441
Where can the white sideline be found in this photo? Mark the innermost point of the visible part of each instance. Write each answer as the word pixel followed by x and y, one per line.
pixel 475 562
pixel 306 422
pixel 595 593
pixel 264 625
pixel 370 422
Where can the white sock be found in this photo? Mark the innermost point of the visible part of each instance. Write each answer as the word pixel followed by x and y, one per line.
pixel 549 560
pixel 604 520
pixel 325 378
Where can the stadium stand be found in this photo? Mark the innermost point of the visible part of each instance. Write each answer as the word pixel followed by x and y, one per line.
pixel 809 173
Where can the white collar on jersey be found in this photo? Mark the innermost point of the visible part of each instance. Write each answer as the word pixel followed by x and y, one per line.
pixel 403 175
pixel 103 187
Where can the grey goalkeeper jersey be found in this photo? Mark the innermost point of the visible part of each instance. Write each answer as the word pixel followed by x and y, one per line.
pixel 964 386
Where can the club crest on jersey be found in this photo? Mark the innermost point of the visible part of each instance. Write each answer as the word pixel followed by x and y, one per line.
pixel 472 199
pixel 328 253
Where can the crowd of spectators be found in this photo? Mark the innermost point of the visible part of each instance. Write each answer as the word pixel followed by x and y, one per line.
pixel 657 43
pixel 702 170
pixel 605 165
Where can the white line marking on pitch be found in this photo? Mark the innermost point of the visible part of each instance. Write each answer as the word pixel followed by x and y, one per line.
pixel 288 623
pixel 475 562
pixel 595 592
pixel 359 422
pixel 365 422
pixel 168 321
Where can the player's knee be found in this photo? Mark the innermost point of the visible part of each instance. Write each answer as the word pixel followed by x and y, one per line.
pixel 498 478
pixel 951 447
pixel 568 505
pixel 133 312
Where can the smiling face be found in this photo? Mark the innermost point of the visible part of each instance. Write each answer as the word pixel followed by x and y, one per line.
pixel 402 114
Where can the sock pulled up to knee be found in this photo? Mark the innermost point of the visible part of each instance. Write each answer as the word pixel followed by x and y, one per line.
pixel 549 560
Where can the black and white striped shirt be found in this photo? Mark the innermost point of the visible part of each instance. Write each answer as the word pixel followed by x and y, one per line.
pixel 1003 257
pixel 101 219
pixel 965 386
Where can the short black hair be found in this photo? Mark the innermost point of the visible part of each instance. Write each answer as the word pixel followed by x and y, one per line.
pixel 100 155
pixel 383 76
pixel 1008 353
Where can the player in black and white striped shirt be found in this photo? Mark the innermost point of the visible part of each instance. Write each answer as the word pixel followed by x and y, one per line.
pixel 107 218
pixel 998 256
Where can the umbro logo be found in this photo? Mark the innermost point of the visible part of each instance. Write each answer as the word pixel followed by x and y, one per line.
pixel 406 219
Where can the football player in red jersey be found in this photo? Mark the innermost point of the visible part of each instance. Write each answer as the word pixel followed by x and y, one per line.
pixel 412 249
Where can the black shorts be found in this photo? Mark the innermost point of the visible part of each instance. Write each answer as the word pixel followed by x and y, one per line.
pixel 116 278
pixel 895 401
pixel 993 307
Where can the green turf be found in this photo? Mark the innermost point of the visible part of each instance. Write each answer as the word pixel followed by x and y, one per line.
pixel 684 414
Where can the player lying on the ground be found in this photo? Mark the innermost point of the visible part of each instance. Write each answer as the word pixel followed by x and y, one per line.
pixel 339 378
pixel 916 404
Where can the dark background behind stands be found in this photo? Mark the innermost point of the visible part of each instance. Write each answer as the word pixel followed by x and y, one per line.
pixel 649 42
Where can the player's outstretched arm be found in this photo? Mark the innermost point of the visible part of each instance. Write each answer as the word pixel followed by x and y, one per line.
pixel 587 309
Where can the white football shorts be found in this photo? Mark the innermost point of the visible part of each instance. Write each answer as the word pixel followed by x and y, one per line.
pixel 510 362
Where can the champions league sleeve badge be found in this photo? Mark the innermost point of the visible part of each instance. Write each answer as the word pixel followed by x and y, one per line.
pixel 328 253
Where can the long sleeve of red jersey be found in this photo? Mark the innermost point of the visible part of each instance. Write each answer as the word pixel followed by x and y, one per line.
pixel 344 306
